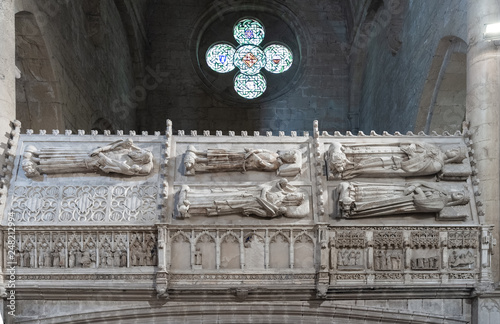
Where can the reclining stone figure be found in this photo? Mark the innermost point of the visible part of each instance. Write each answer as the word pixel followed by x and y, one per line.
pixel 284 163
pixel 121 157
pixel 272 199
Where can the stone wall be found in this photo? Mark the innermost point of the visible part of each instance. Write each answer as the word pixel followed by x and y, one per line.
pixel 88 51
pixel 321 91
pixel 393 84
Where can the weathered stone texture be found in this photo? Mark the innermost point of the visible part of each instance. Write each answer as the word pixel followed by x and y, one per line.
pixel 89 76
pixel 392 85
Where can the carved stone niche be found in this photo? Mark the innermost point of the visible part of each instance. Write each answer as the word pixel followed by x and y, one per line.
pixel 462 259
pixel 255 246
pixel 61 249
pixel 404 159
pixel 462 250
pixel 349 251
pixel 388 251
pixel 425 252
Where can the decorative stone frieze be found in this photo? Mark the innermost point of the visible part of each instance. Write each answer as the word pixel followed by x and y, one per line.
pixel 235 211
pixel 84 249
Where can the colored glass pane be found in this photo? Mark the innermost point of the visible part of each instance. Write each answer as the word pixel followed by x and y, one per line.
pixel 248 31
pixel 249 59
pixel 279 58
pixel 250 86
pixel 220 57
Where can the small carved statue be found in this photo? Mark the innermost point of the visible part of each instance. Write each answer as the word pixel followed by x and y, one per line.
pixel 150 251
pixel 358 200
pixel 121 255
pixel 137 254
pixel 284 163
pixel 121 157
pixel 88 258
pixel 26 259
pixel 75 255
pixel 106 255
pixel 269 200
pixel 29 260
pixel 44 255
pixel 55 258
pixel 388 260
pixel 198 257
pixel 404 160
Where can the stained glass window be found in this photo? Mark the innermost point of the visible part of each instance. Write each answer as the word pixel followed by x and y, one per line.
pixel 248 31
pixel 250 86
pixel 249 58
pixel 220 57
pixel 278 58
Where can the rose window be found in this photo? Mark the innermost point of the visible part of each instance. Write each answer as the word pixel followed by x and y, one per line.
pixel 249 58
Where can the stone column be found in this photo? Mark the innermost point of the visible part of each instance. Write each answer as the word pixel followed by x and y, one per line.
pixel 7 72
pixel 483 105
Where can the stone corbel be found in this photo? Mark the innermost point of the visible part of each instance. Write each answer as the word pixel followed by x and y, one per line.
pixel 162 284
pixel 322 290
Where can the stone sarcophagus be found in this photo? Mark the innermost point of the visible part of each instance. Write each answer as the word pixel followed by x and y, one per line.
pixel 320 212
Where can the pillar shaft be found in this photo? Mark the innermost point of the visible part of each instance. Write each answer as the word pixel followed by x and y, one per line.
pixel 483 105
pixel 7 72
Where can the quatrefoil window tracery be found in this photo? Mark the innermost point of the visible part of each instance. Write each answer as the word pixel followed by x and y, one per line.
pixel 249 58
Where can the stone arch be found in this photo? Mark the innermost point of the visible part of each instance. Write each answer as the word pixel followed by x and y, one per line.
pixel 254 251
pixel 38 103
pixel 230 251
pixel 303 251
pixel 181 247
pixel 205 256
pixel 442 103
pixel 279 251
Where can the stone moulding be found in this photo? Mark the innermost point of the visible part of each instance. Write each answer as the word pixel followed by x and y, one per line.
pixel 83 204
pixel 107 227
pixel 41 250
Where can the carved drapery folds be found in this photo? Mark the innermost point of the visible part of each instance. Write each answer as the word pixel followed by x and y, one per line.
pixel 269 200
pixel 121 156
pixel 288 163
pixel 358 200
pixel 411 159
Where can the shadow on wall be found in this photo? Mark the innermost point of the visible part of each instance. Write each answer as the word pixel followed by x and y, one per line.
pixel 442 105
pixel 37 96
